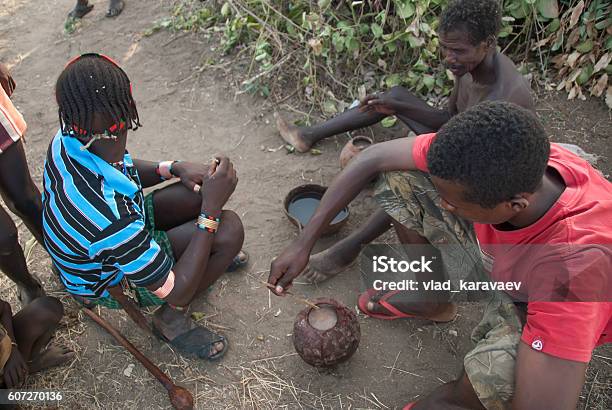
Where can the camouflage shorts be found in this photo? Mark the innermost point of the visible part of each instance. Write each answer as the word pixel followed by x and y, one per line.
pixel 411 199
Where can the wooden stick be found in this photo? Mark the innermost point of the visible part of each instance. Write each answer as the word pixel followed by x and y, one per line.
pixel 296 297
pixel 180 398
pixel 130 308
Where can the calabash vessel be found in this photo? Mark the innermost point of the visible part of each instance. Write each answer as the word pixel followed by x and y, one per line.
pixel 326 336
pixel 353 148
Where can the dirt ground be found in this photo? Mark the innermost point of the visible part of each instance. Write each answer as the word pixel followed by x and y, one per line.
pixel 190 115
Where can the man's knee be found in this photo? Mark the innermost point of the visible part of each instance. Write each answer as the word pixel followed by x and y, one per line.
pixel 458 393
pixel 48 309
pixel 8 240
pixel 231 231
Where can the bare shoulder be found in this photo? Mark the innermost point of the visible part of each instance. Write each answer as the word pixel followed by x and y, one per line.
pixel 511 84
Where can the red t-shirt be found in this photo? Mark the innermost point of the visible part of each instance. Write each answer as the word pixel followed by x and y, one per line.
pixel 570 244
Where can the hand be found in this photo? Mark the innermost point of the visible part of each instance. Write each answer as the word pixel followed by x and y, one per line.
pixel 190 173
pixel 218 184
pixel 6 80
pixel 15 370
pixel 287 266
pixel 379 103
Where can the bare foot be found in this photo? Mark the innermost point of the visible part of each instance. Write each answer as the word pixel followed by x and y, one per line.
pixel 51 357
pixel 80 11
pixel 291 134
pixel 444 312
pixel 115 8
pixel 330 262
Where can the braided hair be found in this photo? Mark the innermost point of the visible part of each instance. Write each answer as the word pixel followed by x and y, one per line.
pixel 94 84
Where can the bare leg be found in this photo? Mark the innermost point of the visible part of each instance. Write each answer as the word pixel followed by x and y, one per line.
pixel 13 263
pixel 228 242
pixel 456 395
pixel 19 191
pixel 175 205
pixel 176 209
pixel 34 327
pixel 342 254
pixel 302 138
pixel 404 95
pixel 81 9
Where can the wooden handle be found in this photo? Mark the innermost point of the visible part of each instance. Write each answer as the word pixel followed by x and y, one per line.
pixel 180 398
pixel 130 308
pixel 155 371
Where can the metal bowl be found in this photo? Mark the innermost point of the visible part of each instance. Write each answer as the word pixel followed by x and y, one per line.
pixel 301 202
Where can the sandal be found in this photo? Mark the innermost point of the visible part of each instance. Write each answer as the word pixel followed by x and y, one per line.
pixel 240 260
pixel 196 341
pixel 114 12
pixel 365 297
pixel 79 12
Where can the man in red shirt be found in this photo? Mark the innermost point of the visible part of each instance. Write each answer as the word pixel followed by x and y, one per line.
pixel 490 181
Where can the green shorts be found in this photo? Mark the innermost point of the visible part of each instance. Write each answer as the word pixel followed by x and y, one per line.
pixel 143 295
pixel 411 199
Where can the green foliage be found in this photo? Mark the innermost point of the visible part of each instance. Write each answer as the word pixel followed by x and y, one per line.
pixel 571 36
pixel 71 25
pixel 350 48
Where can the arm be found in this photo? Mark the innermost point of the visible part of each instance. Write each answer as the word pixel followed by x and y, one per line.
pixel 395 155
pixel 408 106
pixel 544 381
pixel 188 270
pixel 430 117
pixel 146 172
pixel 190 173
pixel 404 104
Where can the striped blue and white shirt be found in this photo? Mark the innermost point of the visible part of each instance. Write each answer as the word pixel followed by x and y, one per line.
pixel 94 222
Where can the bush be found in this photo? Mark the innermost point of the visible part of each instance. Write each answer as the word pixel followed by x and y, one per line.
pixel 341 50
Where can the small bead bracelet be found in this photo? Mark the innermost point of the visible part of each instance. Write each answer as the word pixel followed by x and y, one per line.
pixel 208 223
pixel 179 308
pixel 164 169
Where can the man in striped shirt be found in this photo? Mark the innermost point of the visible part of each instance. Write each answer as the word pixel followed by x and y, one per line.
pixel 105 236
pixel 19 193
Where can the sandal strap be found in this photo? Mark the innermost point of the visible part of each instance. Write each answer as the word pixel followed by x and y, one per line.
pixel 197 341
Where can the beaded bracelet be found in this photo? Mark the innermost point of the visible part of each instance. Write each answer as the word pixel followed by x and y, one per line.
pixel 208 223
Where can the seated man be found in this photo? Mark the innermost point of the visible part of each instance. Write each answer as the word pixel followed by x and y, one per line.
pixel 105 236
pixel 24 338
pixel 468 38
pixel 490 180
pixel 468 32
